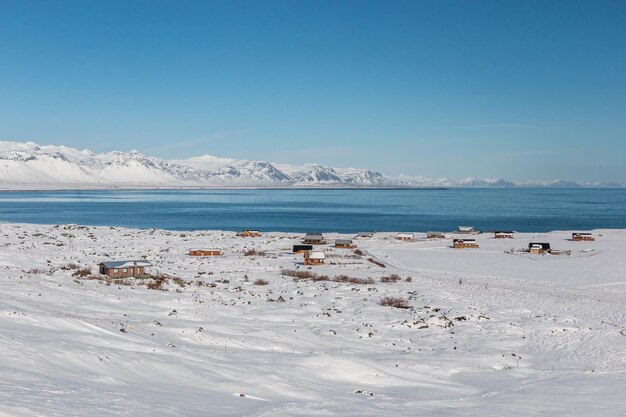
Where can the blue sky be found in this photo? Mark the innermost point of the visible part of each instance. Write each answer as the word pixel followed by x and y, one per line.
pixel 518 89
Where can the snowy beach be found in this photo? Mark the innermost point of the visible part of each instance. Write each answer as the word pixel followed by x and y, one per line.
pixel 487 331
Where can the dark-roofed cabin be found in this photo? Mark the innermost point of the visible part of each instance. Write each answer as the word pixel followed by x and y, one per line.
pixel 435 235
pixel 464 243
pixel 539 248
pixel 123 269
pixel 249 233
pixel 362 235
pixel 205 252
pixel 580 236
pixel 314 239
pixel 314 257
pixel 302 248
pixel 344 243
pixel 503 234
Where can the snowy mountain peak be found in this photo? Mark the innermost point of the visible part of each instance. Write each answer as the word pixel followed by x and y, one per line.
pixel 25 165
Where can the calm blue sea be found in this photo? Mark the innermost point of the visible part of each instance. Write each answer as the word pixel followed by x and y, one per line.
pixel 324 210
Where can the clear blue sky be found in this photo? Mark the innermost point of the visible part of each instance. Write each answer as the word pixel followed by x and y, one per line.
pixel 519 89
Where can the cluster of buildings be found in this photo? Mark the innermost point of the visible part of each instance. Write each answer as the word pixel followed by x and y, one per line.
pixel 313 256
pixel 317 257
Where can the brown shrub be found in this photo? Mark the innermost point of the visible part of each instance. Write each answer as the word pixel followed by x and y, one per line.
pixel 157 284
pixel 316 277
pixel 390 278
pixel 320 278
pixel 69 266
pixel 102 278
pixel 353 280
pixel 261 282
pixel 358 252
pixel 35 271
pixel 181 282
pixel 253 252
pixel 122 281
pixel 375 262
pixel 298 274
pixel 84 272
pixel 396 302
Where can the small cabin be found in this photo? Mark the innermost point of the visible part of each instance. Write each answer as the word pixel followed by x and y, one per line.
pixel 344 243
pixel 249 233
pixel 539 248
pixel 123 269
pixel 314 257
pixel 364 235
pixel 580 236
pixel 464 244
pixel 205 252
pixel 466 230
pixel 302 248
pixel 503 234
pixel 405 236
pixel 435 235
pixel 314 239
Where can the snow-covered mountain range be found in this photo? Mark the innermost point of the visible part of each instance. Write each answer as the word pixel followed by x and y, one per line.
pixel 26 165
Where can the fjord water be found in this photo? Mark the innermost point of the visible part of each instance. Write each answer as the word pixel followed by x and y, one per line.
pixel 298 210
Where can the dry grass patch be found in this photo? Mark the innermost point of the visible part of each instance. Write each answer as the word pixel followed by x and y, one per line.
pixel 390 278
pixel 353 280
pixel 83 272
pixel 375 262
pixel 36 271
pixel 316 277
pixel 396 302
pixel 303 275
pixel 261 282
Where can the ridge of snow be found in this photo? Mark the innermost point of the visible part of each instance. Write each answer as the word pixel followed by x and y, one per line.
pixel 27 164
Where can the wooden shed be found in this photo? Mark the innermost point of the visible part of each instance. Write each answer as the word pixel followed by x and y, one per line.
pixel 464 244
pixel 539 248
pixel 582 236
pixel 435 235
pixel 344 243
pixel 405 236
pixel 123 269
pixel 205 252
pixel 314 239
pixel 249 233
pixel 302 248
pixel 314 257
pixel 503 234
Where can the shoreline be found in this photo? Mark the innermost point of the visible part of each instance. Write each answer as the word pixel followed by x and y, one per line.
pixel 449 234
pixel 219 188
pixel 61 188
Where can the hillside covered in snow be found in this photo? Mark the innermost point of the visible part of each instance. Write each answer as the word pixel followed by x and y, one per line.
pixel 390 328
pixel 26 165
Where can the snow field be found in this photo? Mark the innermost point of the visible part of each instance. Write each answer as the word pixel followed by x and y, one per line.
pixel 487 332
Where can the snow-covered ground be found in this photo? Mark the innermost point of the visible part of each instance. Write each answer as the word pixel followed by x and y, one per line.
pixel 489 332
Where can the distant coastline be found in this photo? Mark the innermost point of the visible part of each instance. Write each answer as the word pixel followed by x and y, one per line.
pixel 342 187
pixel 233 187
pixel 29 166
